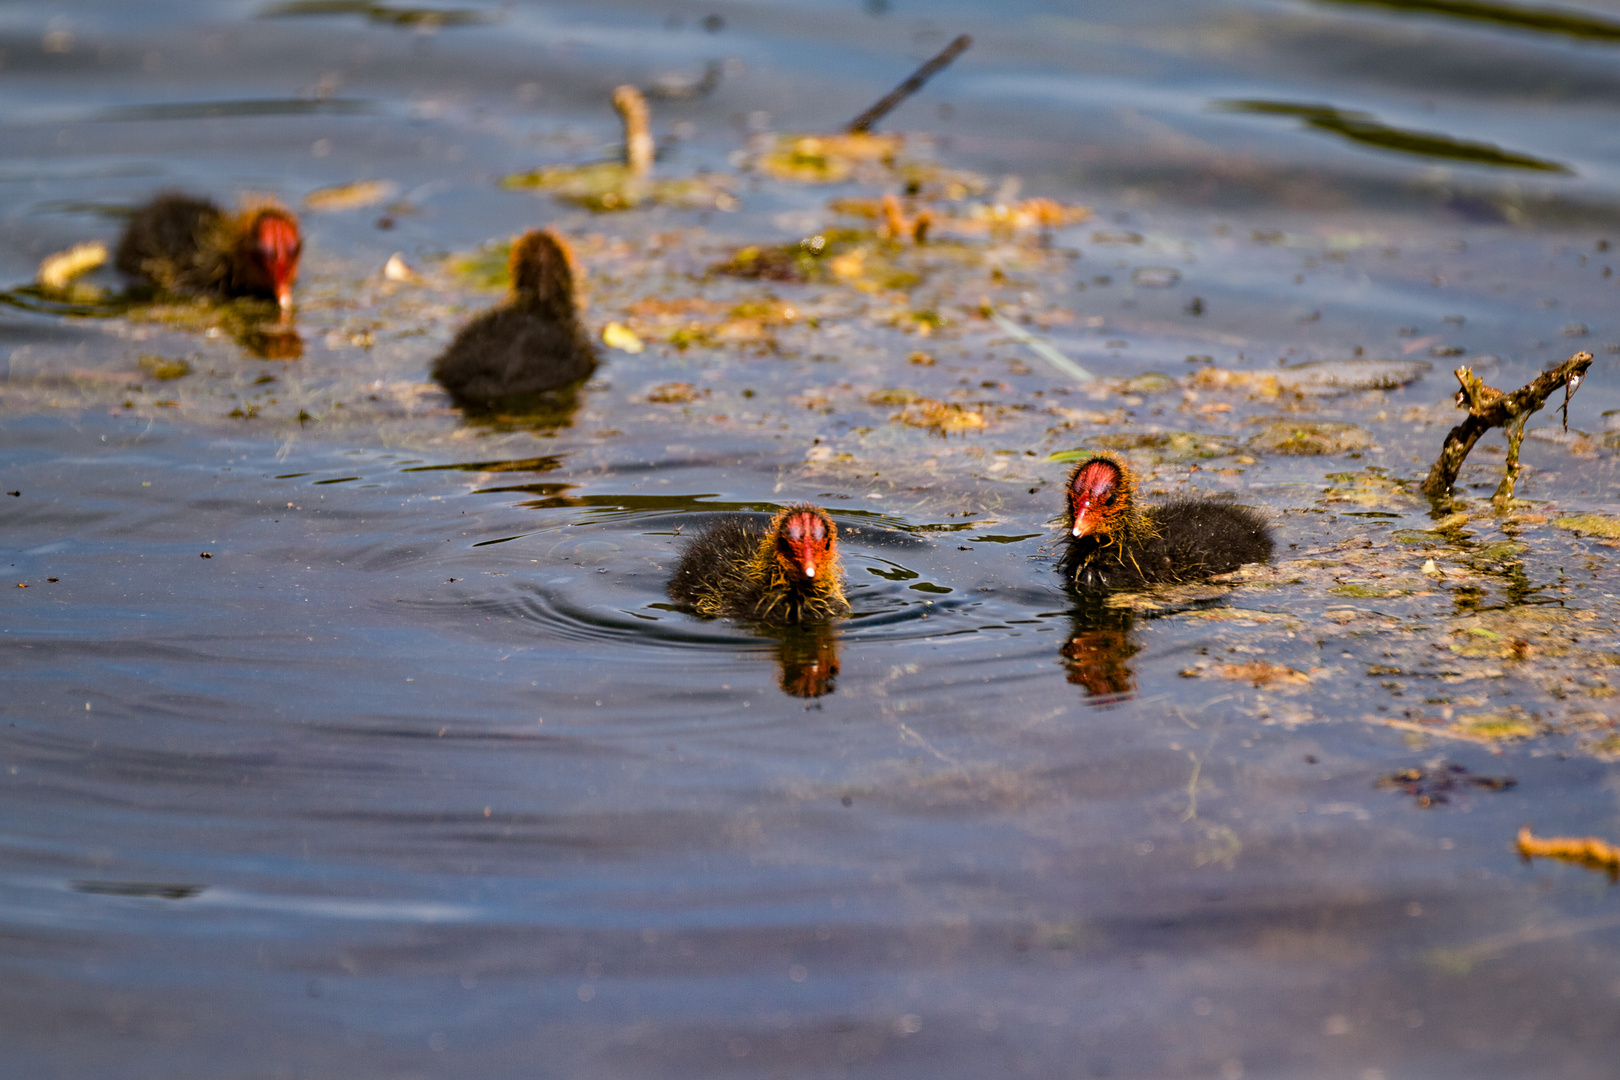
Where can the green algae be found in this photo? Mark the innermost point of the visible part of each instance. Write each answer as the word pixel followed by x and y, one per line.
pixel 1497 726
pixel 1369 592
pixel 162 368
pixel 827 158
pixel 1152 382
pixel 1161 445
pixel 1310 438
pixel 484 268
pixel 610 186
pixel 1592 525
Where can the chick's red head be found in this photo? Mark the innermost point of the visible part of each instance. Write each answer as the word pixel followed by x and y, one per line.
pixel 1096 498
pixel 804 545
pixel 278 245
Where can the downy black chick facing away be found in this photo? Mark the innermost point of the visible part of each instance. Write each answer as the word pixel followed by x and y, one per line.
pixel 530 344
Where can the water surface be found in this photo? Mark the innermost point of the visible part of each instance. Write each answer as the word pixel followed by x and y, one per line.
pixel 348 736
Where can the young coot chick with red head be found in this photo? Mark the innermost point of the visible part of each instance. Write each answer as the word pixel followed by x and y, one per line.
pixel 186 246
pixel 1115 544
pixel 784 572
pixel 532 343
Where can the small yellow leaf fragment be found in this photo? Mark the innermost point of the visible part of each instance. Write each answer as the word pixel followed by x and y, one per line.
pixel 848 265
pixel 397 269
pixel 621 337
pixel 57 271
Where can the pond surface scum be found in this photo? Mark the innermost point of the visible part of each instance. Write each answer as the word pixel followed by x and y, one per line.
pixel 351 736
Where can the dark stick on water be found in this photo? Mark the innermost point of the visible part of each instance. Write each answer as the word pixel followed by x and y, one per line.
pixel 863 123
pixel 1489 407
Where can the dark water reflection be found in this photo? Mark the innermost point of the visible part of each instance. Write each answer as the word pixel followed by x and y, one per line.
pixel 419 18
pixel 420 774
pixel 210 110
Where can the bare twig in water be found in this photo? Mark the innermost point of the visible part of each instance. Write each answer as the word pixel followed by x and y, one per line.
pixel 1588 850
pixel 638 140
pixel 863 123
pixel 1489 407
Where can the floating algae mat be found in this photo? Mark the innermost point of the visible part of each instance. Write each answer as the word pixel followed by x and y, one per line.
pixel 347 735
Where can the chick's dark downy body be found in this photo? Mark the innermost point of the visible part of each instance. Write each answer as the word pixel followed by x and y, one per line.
pixel 786 571
pixel 1114 544
pixel 529 345
pixel 187 246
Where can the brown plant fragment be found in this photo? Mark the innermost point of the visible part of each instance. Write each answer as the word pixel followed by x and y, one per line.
pixel 1586 850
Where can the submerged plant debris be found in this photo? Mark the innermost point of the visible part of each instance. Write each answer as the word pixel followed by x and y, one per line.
pixel 828 158
pixel 1435 785
pixel 1310 437
pixel 1319 379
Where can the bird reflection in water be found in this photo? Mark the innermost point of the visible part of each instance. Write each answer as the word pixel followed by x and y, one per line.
pixel 549 411
pixel 1098 651
pixel 807 659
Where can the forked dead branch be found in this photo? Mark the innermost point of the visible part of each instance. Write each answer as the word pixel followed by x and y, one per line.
pixel 1489 407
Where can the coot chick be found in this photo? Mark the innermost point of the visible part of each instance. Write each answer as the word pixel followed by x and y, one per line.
pixel 1114 544
pixel 531 343
pixel 186 246
pixel 783 572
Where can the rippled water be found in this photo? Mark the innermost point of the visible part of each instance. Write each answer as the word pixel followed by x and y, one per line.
pixel 347 736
